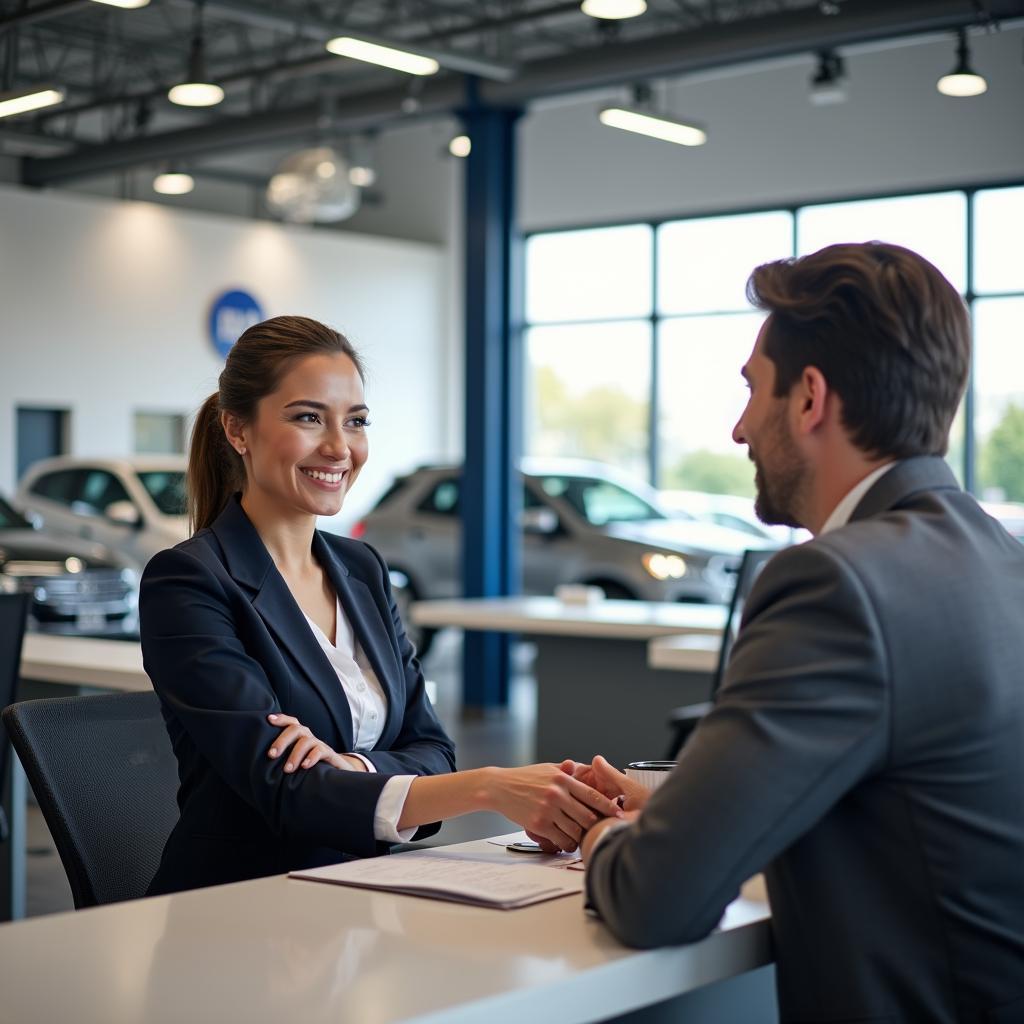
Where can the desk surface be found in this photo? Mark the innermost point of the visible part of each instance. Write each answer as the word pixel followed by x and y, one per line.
pixel 82 661
pixel 622 620
pixel 693 653
pixel 278 950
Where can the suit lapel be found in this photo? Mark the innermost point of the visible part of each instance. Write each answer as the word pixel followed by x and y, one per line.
pixel 249 563
pixel 358 604
pixel 903 481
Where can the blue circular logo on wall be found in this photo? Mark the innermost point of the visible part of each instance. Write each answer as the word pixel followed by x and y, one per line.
pixel 232 313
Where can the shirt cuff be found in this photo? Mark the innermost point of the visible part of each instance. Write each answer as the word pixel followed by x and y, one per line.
pixel 617 826
pixel 389 810
pixel 369 764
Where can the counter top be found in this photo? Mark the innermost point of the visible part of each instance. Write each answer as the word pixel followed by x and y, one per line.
pixel 83 661
pixel 279 949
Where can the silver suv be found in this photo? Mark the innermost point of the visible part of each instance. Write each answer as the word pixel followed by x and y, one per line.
pixel 583 522
pixel 135 506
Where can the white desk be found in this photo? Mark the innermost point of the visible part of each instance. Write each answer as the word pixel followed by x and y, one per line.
pixel 81 661
pixel 595 690
pixel 277 950
pixel 684 653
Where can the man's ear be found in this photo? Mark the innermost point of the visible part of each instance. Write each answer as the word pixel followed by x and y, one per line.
pixel 811 397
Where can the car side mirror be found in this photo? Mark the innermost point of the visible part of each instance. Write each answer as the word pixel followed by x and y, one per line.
pixel 123 512
pixel 542 521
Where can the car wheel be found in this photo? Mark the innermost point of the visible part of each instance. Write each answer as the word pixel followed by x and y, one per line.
pixel 404 594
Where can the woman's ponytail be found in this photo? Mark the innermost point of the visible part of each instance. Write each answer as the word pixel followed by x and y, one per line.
pixel 215 469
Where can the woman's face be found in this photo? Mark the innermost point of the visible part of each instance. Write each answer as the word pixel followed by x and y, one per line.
pixel 307 442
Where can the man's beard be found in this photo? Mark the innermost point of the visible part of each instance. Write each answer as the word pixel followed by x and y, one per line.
pixel 780 489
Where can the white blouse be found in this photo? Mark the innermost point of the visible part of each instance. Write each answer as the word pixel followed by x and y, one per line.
pixel 369 705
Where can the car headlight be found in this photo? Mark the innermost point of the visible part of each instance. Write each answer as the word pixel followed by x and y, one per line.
pixel 664 567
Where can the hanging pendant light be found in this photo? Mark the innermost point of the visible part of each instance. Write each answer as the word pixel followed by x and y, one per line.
pixel 197 90
pixel 963 80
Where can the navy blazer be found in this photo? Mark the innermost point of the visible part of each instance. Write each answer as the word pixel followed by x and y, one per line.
pixel 226 644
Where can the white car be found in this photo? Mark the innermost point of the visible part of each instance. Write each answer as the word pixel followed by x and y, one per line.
pixel 133 505
pixel 729 510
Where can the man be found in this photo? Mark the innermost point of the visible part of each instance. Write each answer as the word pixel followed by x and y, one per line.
pixel 867 746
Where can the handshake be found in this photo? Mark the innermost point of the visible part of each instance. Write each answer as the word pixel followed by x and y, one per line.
pixel 558 804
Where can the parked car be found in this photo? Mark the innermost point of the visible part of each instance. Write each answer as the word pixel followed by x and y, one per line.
pixel 728 510
pixel 582 523
pixel 76 587
pixel 135 506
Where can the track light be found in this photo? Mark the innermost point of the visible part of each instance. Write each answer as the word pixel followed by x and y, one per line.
pixel 22 101
pixel 384 56
pixel 173 183
pixel 963 80
pixel 613 10
pixel 828 83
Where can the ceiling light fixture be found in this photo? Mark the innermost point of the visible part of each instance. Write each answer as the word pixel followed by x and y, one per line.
pixel 963 80
pixel 384 56
pixel 613 10
pixel 22 101
pixel 828 83
pixel 173 183
pixel 461 146
pixel 656 126
pixel 128 5
pixel 197 90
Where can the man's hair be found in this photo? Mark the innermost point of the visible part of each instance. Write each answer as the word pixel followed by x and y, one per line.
pixel 889 333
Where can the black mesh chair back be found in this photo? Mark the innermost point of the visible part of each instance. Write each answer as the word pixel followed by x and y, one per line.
pixel 13 616
pixel 683 720
pixel 106 779
pixel 746 576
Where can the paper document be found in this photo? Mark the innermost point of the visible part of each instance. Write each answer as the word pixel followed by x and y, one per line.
pixel 481 883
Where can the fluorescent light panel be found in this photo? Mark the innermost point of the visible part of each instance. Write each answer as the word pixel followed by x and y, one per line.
pixel 656 127
pixel 25 100
pixel 126 4
pixel 384 56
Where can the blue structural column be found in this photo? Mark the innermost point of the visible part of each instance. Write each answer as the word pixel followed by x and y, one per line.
pixel 491 495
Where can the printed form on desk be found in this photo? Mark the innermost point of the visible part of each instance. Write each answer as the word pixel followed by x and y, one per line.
pixel 480 883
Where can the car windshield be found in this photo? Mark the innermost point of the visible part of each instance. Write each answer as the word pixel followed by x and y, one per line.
pixel 167 489
pixel 11 520
pixel 599 501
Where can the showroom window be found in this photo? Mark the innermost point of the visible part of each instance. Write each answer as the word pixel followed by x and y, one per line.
pixel 634 335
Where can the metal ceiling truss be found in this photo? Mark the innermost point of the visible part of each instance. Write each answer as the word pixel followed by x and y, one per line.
pixel 272 61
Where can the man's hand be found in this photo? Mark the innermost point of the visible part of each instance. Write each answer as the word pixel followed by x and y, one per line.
pixel 608 780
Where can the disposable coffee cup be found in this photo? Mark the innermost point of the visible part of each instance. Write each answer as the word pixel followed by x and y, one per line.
pixel 650 774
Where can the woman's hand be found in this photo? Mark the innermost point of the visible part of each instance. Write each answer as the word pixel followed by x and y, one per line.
pixel 555 808
pixel 306 749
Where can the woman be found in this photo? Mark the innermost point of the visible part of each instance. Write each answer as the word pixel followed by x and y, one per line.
pixel 293 699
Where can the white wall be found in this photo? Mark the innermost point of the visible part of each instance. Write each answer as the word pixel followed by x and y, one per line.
pixel 768 144
pixel 104 309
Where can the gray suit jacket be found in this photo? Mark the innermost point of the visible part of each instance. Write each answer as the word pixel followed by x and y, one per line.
pixel 867 751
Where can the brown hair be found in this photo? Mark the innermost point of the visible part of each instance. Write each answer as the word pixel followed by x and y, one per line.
pixel 885 328
pixel 254 368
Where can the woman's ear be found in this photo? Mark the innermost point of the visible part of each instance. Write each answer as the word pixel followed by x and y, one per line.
pixel 234 431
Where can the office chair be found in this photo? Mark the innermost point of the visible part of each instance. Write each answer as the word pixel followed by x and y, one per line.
pixel 13 616
pixel 683 720
pixel 106 779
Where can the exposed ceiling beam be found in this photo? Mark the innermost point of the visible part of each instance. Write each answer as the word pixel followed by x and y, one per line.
pixel 311 28
pixel 765 38
pixel 41 12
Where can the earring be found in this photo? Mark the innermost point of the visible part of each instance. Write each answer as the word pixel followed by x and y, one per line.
pixel 241 451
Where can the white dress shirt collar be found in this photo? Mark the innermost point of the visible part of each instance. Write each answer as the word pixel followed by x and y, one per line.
pixel 841 513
